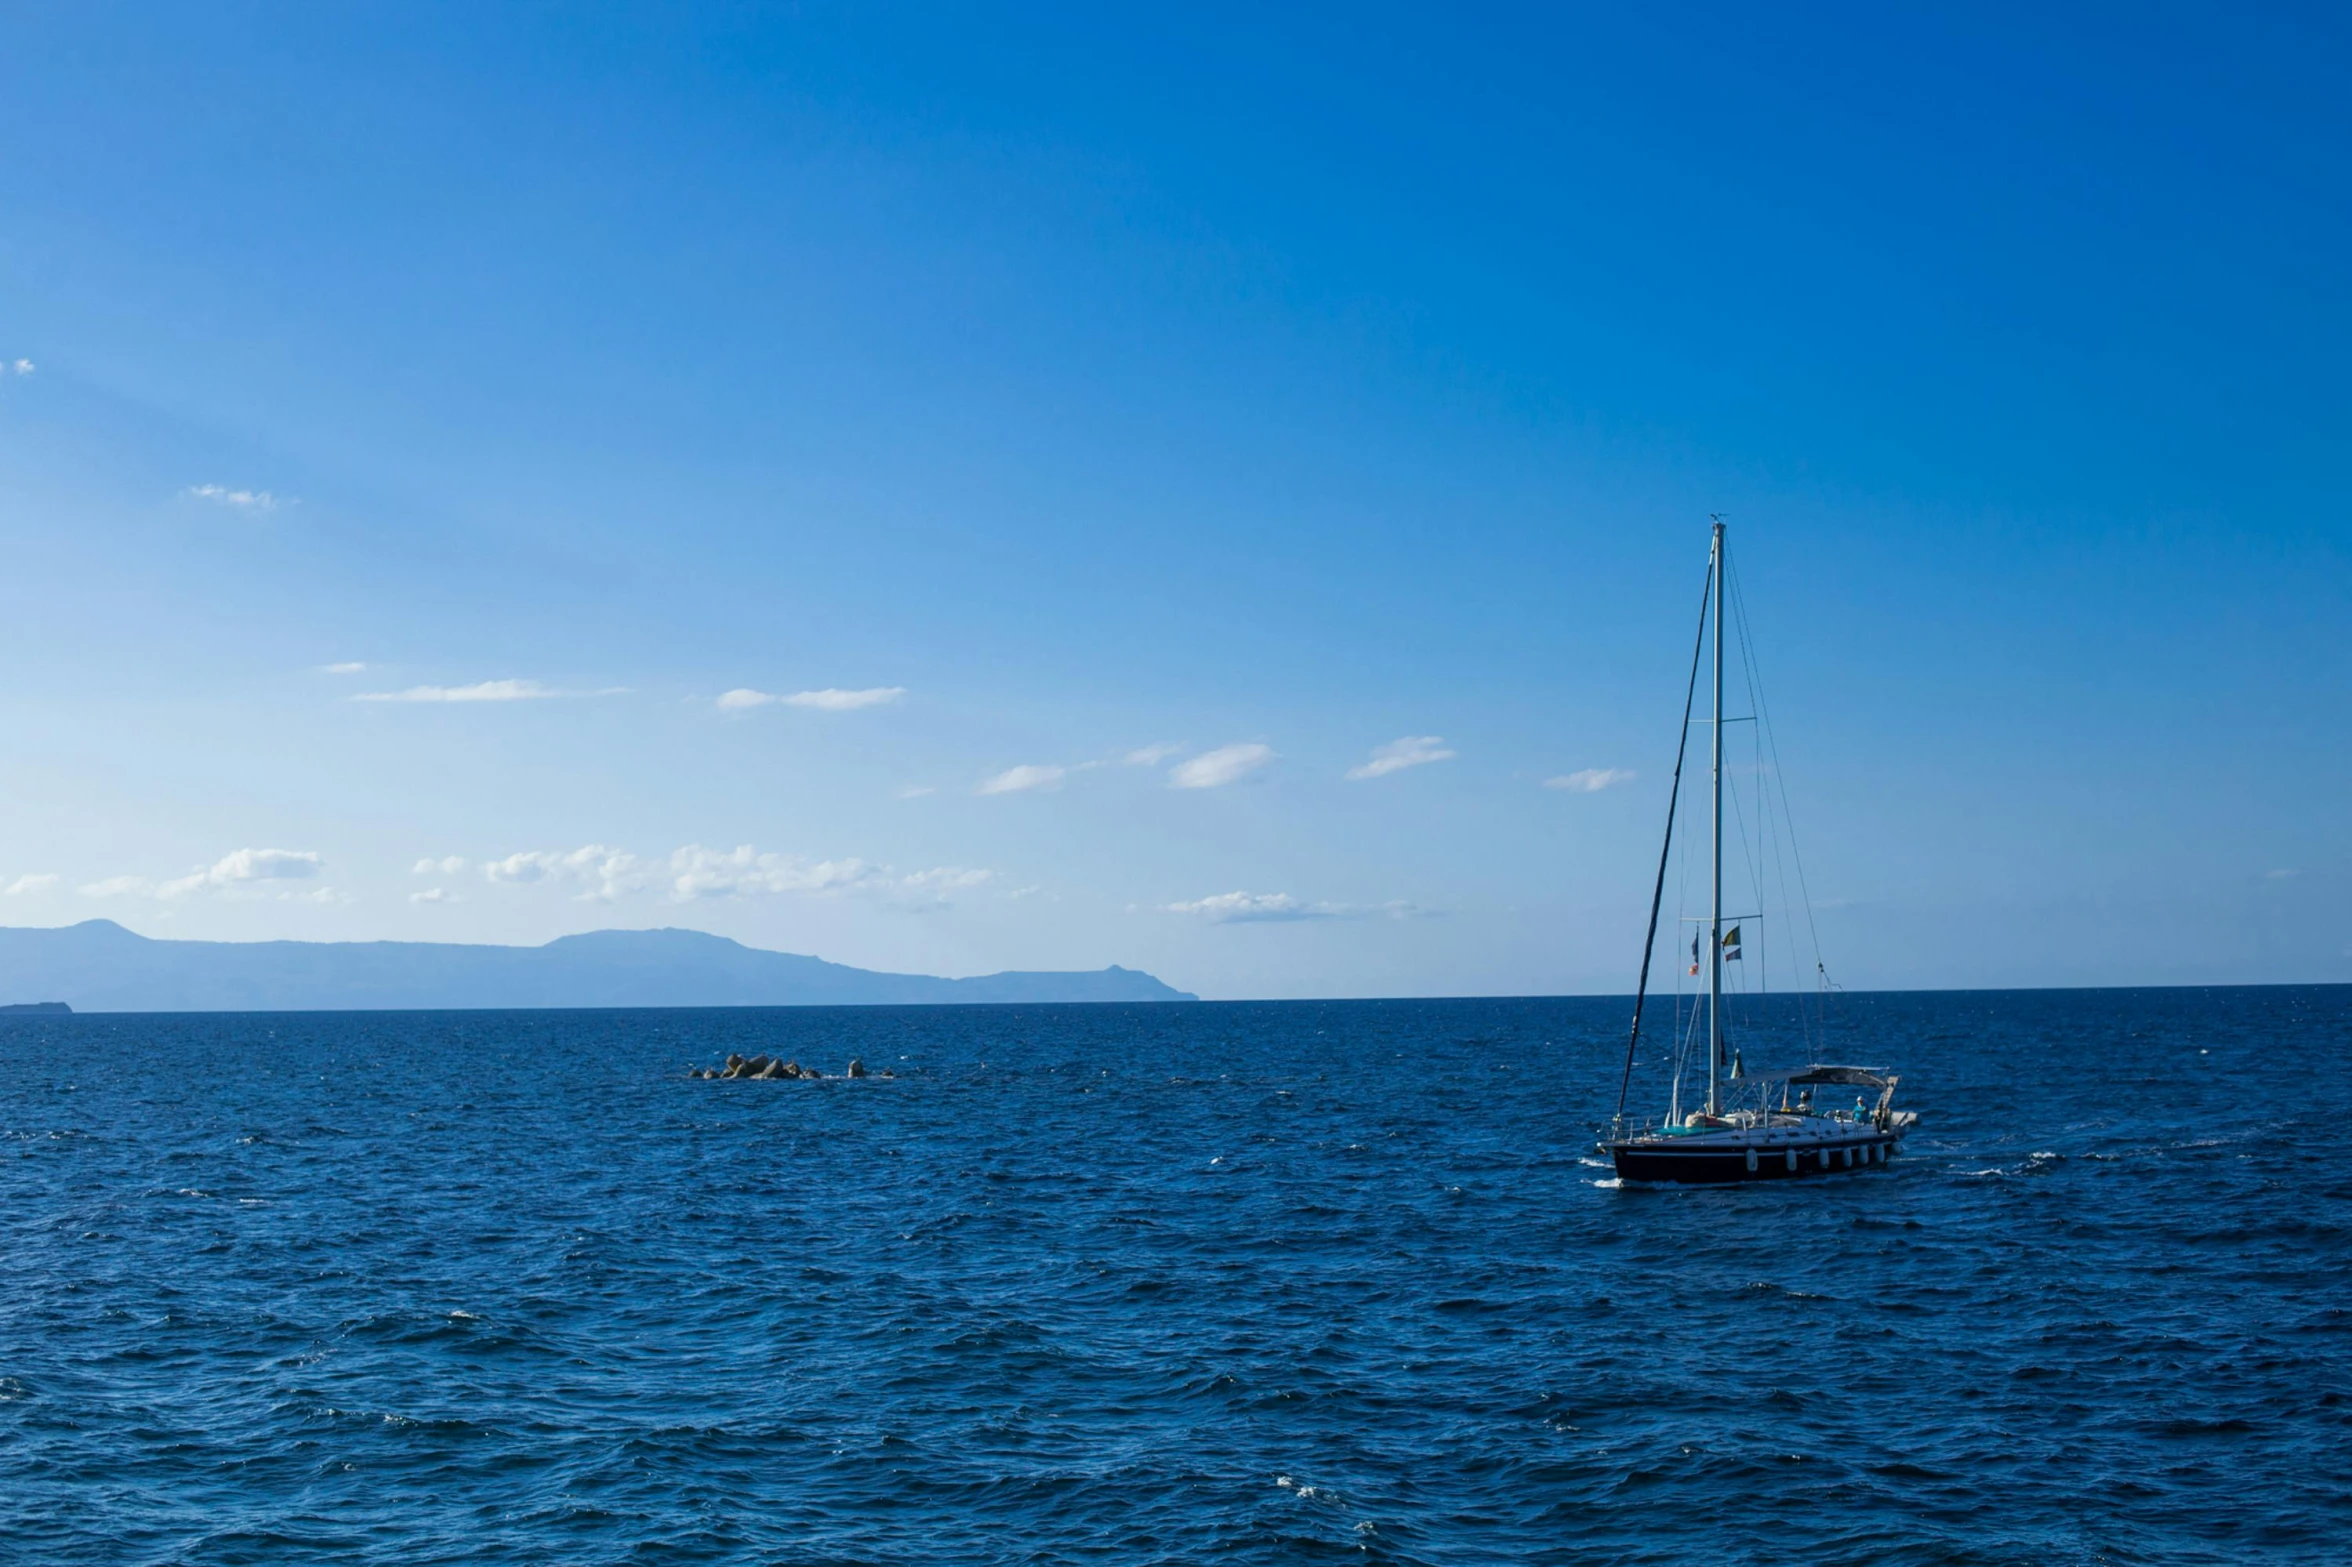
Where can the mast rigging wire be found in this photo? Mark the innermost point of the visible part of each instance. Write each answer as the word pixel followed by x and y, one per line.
pixel 1771 744
pixel 1665 850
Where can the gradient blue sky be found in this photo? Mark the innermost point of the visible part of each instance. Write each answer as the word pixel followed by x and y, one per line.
pixel 1268 387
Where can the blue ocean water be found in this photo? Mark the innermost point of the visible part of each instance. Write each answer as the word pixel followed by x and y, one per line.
pixel 1212 1283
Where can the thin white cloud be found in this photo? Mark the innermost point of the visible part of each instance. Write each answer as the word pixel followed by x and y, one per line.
pixel 431 895
pixel 483 691
pixel 447 865
pixel 528 865
pixel 829 700
pixel 1591 780
pixel 237 500
pixel 243 867
pixel 350 667
pixel 1015 780
pixel 29 884
pixel 1248 908
pixel 941 880
pixel 22 367
pixel 603 873
pixel 243 872
pixel 1213 769
pixel 2277 875
pixel 833 700
pixel 264 865
pixel 117 887
pixel 741 872
pixel 1402 909
pixel 697 872
pixel 913 792
pixel 1397 755
pixel 1149 755
pixel 1240 908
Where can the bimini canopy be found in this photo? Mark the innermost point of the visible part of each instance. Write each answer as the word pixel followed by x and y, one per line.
pixel 1851 1076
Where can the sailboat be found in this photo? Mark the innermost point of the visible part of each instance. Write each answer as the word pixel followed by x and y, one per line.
pixel 1740 1133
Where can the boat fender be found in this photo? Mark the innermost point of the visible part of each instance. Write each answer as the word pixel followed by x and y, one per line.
pixel 1751 1161
pixel 1792 1161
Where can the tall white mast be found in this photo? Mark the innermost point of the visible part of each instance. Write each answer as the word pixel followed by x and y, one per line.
pixel 1715 858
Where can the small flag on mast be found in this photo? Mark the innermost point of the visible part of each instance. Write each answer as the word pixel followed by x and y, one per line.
pixel 1731 945
pixel 1694 952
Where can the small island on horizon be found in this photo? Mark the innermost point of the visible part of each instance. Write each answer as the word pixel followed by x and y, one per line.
pixel 99 966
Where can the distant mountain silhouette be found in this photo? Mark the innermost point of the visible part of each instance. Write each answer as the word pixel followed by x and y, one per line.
pixel 97 966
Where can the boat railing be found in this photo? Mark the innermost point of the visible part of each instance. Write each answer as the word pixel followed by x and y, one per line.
pixel 1768 1117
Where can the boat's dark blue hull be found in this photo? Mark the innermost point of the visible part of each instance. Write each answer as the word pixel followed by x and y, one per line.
pixel 1662 1161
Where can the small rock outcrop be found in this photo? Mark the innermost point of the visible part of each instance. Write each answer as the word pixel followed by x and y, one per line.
pixel 770 1070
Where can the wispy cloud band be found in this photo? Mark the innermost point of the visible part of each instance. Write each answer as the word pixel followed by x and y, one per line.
pixel 239 871
pixel 484 691
pixel 1591 780
pixel 236 499
pixel 1019 780
pixel 1238 908
pixel 1266 908
pixel 1397 755
pixel 830 700
pixel 600 873
pixel 1215 769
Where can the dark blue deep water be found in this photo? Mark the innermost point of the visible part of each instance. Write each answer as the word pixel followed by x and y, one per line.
pixel 1209 1283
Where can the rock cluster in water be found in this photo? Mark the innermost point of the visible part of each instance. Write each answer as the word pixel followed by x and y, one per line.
pixel 769 1069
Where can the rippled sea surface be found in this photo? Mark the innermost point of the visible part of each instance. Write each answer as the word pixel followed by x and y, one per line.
pixel 1201 1283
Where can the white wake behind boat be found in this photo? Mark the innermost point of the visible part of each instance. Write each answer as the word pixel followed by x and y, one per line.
pixel 1758 1126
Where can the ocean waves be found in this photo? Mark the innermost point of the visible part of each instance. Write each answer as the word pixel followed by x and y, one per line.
pixel 1238 1283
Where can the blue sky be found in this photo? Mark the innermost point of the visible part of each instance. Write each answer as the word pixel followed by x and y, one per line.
pixel 1123 401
